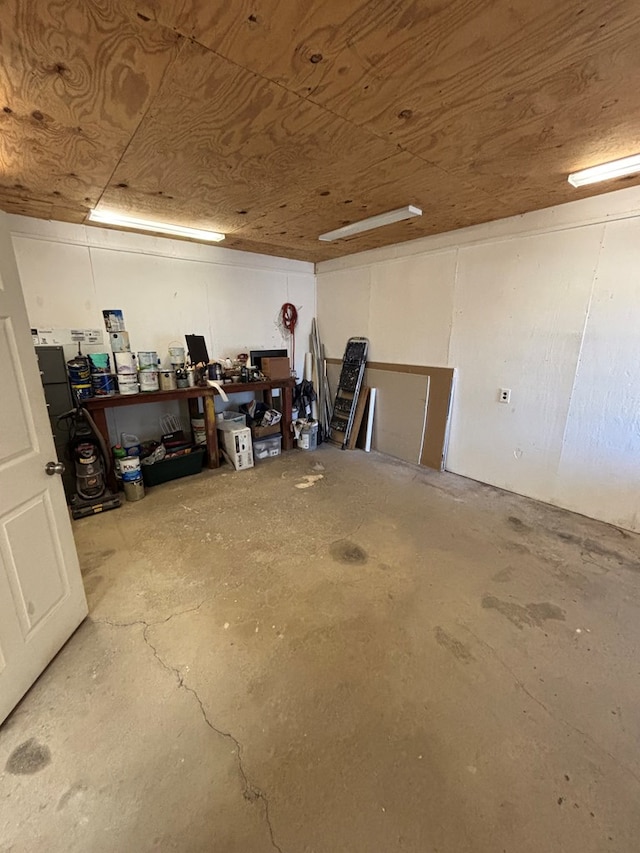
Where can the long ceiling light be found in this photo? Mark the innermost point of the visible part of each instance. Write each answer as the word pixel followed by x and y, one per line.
pixel 606 171
pixel 110 217
pixel 372 222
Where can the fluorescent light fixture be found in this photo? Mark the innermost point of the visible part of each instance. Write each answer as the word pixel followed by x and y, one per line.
pixel 372 222
pixel 110 217
pixel 606 171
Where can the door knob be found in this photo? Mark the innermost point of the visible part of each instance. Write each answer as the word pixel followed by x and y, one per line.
pixel 54 468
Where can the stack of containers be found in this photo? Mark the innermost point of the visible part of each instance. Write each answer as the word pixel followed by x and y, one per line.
pixel 148 370
pixel 103 382
pixel 121 348
pixel 130 468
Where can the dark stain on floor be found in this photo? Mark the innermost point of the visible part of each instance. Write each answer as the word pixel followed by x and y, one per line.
pixel 517 524
pixel 597 549
pixel 28 758
pixel 348 552
pixel 532 615
pixel 457 648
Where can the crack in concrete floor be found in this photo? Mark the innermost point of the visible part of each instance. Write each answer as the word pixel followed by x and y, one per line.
pixel 250 792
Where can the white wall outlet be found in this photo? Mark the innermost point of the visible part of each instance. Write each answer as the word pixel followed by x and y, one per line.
pixel 504 395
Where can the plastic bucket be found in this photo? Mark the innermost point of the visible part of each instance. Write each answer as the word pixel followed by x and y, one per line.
pixel 308 439
pixel 176 355
pixel 147 360
pixel 148 380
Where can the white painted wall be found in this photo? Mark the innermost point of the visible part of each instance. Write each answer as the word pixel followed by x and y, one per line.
pixel 166 289
pixel 547 304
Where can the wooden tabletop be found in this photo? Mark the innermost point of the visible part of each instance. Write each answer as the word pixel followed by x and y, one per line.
pixel 115 400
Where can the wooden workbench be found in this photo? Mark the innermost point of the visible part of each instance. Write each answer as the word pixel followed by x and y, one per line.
pixel 97 406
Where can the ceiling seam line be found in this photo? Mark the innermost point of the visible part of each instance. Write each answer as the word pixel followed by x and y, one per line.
pixel 152 101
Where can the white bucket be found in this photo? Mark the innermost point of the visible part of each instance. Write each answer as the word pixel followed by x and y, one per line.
pixel 148 360
pixel 130 468
pixel 125 362
pixel 176 355
pixel 168 380
pixel 148 380
pixel 308 439
pixel 127 383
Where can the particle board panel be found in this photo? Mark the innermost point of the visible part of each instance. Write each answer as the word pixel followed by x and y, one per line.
pixel 412 409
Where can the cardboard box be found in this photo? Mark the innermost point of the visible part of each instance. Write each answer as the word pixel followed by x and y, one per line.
pixel 264 431
pixel 276 368
pixel 236 446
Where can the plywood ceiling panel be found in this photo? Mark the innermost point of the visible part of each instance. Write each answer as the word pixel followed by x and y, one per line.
pixel 275 121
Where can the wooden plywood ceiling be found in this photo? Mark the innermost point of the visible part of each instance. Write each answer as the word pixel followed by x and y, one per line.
pixel 277 121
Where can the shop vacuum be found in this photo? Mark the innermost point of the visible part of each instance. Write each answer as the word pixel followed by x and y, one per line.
pixel 91 462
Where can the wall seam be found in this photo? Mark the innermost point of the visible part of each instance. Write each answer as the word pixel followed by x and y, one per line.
pixel 587 315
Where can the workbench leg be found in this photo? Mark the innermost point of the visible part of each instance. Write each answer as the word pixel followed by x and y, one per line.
pixel 287 406
pixel 212 432
pixel 100 420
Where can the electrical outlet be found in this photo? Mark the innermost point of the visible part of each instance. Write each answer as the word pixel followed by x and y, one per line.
pixel 504 395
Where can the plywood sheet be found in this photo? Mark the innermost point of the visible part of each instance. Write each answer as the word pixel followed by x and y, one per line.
pixel 276 121
pixel 412 409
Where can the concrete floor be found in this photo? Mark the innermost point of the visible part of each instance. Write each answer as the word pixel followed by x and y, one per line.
pixel 334 653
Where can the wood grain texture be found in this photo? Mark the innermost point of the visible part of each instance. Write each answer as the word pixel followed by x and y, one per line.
pixel 75 79
pixel 276 120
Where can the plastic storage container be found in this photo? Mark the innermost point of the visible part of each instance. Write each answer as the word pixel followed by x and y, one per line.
pixel 231 420
pixel 267 448
pixel 172 469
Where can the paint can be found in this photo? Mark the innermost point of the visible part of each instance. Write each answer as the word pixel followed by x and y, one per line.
pixel 182 378
pixel 191 377
pixel 82 391
pixel 78 370
pixel 127 383
pixel 199 431
pixel 176 356
pixel 99 362
pixel 113 320
pixel 130 468
pixel 133 489
pixel 147 360
pixel 103 384
pixel 125 362
pixel 308 439
pixel 167 380
pixel 148 380
pixel 120 341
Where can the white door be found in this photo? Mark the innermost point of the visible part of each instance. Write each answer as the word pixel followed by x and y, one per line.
pixel 42 599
